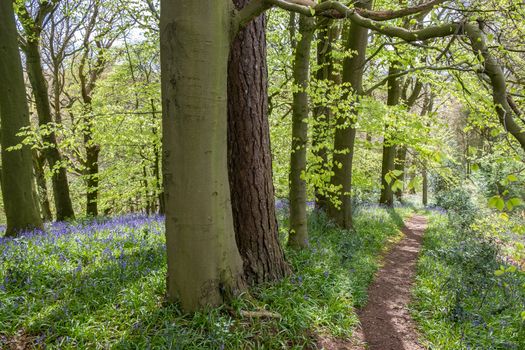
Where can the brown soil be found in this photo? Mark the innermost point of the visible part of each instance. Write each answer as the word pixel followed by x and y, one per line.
pixel 385 320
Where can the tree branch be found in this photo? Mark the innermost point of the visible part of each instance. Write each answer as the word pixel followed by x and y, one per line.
pixel 334 9
pixel 386 15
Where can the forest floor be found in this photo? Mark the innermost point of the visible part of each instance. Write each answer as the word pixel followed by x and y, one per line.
pixel 386 323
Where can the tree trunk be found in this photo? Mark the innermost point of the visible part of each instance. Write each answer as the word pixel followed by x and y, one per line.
pixel 91 171
pixel 322 113
pixel 495 73
pixel 344 139
pixel 38 164
pixel 401 153
pixel 389 149
pixel 156 162
pixel 250 158
pixel 63 204
pixel 298 214
pixel 425 186
pixel 204 264
pixel 401 156
pixel 21 208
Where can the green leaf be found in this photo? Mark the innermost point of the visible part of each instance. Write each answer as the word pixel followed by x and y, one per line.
pixel 500 203
pixel 397 173
pixel 492 201
pixel 475 167
pixel 388 179
pixel 512 178
pixel 398 185
pixel 511 269
pixel 515 201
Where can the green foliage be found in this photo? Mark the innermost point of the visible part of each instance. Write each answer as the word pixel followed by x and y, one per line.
pixel 102 284
pixel 459 205
pixel 460 302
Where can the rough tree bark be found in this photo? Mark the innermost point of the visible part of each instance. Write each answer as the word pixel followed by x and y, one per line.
pixel 20 204
pixel 298 237
pixel 344 139
pixel 204 264
pixel 249 156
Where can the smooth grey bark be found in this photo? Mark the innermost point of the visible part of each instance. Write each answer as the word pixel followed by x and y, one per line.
pixel 204 264
pixel 298 234
pixel 250 158
pixel 21 206
pixel 345 132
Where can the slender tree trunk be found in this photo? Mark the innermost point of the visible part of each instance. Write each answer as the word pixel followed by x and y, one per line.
pixel 298 196
pixel 344 139
pixel 156 162
pixel 401 156
pixel 322 113
pixel 63 204
pixel 425 186
pixel 389 149
pixel 401 153
pixel 147 205
pixel 38 165
pixel 21 208
pixel 249 156
pixel 204 264
pixel 91 171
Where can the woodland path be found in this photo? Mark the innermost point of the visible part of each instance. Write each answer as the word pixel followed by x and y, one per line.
pixel 386 323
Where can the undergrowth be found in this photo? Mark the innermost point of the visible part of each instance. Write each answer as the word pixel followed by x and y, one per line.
pixel 100 285
pixel 460 300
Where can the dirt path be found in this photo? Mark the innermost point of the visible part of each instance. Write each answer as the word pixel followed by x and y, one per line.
pixel 385 320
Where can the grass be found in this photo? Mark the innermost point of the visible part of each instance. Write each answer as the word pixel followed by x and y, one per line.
pixel 100 285
pixel 460 303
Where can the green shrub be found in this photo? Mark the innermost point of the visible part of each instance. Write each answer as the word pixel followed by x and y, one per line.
pixel 460 303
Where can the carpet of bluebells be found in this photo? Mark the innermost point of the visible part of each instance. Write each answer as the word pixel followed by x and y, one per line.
pixel 100 284
pixel 72 280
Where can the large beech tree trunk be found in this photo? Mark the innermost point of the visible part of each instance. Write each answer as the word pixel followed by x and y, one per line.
pixel 63 204
pixel 344 139
pixel 389 149
pixel 204 264
pixel 20 204
pixel 298 214
pixel 249 156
